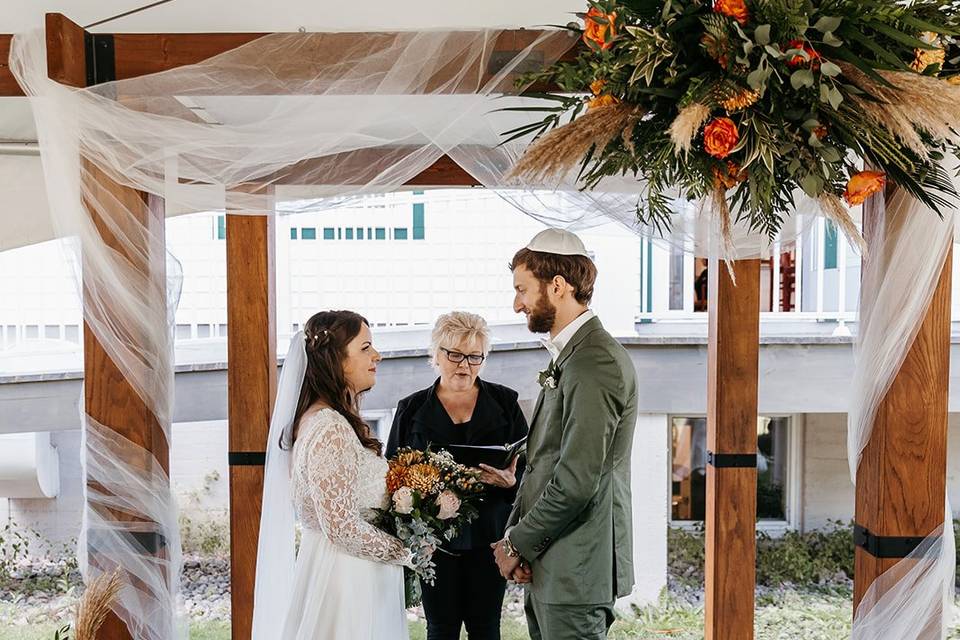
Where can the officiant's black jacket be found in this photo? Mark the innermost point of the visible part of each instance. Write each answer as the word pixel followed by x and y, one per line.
pixel 497 419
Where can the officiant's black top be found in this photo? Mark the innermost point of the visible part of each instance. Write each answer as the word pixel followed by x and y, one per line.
pixel 421 420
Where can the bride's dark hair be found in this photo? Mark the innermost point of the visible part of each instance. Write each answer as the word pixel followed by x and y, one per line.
pixel 327 335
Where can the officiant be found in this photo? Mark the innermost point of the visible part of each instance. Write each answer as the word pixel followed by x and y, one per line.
pixel 462 409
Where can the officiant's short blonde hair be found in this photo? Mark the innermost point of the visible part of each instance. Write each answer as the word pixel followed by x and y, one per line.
pixel 455 327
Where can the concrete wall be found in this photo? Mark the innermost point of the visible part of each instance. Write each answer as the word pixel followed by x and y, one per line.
pixel 828 493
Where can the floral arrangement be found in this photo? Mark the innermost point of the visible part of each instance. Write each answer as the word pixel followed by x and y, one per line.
pixel 742 103
pixel 432 497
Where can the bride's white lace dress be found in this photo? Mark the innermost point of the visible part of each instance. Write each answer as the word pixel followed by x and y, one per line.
pixel 348 582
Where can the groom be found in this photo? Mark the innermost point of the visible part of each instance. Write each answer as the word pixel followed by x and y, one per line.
pixel 569 535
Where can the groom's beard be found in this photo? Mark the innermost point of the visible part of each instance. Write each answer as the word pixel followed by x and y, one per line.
pixel 543 314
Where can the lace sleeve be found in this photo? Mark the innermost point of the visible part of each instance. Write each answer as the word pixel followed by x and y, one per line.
pixel 333 470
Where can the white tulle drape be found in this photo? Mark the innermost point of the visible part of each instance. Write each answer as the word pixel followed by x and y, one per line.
pixel 349 115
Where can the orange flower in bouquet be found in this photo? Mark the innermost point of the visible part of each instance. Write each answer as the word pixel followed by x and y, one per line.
pixel 729 176
pixel 863 185
pixel 599 28
pixel 736 9
pixel 720 136
pixel 813 58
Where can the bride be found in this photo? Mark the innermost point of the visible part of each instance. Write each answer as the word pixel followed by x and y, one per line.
pixel 324 465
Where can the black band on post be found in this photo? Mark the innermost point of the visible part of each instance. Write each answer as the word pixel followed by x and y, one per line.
pixel 884 546
pixel 731 460
pixel 101 64
pixel 247 458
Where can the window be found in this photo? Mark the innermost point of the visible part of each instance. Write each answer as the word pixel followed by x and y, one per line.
pixel 51 332
pixel 329 233
pixel 418 193
pixel 72 333
pixel 689 473
pixel 369 233
pixel 295 327
pixel 32 332
pixel 221 227
pixel 381 233
pixel 293 233
pixel 418 223
pixel 308 233
pixel 349 233
pixel 339 233
pixel 400 234
pixel 676 279
pixel 222 329
pixel 203 331
pixel 829 245
pixel 184 332
pixel 359 233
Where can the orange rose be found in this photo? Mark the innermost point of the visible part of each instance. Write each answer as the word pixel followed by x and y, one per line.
pixel 597 26
pixel 602 101
pixel 799 61
pixel 729 176
pixel 736 9
pixel 720 136
pixel 820 131
pixel 863 185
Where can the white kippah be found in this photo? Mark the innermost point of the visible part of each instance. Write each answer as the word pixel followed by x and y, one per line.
pixel 558 241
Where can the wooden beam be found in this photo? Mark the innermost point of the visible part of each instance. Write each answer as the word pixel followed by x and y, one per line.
pixel 139 54
pixel 442 173
pixel 252 386
pixel 901 479
pixel 732 376
pixel 8 85
pixel 109 398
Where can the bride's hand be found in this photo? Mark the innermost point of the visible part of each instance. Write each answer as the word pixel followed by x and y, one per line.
pixel 503 478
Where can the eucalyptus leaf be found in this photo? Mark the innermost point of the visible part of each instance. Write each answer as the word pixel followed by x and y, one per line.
pixel 829 69
pixel 814 141
pixel 811 124
pixel 801 78
pixel 758 79
pixel 774 51
pixel 830 154
pixel 811 184
pixel 824 93
pixel 827 24
pixel 831 39
pixel 762 34
pixel 835 98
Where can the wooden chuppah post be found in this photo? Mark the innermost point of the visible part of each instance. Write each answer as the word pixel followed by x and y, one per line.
pixel 901 478
pixel 252 387
pixel 109 398
pixel 732 377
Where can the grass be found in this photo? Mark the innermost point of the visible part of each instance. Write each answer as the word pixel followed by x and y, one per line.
pixel 812 614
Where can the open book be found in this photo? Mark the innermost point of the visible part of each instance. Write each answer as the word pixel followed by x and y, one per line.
pixel 498 456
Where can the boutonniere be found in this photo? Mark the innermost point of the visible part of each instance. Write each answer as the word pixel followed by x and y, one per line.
pixel 548 377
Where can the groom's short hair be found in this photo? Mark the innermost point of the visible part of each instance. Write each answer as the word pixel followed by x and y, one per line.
pixel 579 271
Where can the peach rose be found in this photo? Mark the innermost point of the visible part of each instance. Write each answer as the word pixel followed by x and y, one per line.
pixel 403 500
pixel 799 61
pixel 449 505
pixel 736 9
pixel 720 136
pixel 863 185
pixel 598 27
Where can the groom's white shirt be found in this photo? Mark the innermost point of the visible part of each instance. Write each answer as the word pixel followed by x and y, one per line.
pixel 556 345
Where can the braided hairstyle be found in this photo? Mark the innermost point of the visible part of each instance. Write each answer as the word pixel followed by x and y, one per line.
pixel 327 335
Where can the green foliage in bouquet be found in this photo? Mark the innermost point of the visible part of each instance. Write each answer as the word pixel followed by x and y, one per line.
pixel 762 97
pixel 432 497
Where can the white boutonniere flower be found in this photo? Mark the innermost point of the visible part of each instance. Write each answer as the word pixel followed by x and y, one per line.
pixel 548 377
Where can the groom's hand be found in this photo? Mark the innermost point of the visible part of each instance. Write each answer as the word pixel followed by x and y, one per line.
pixel 523 574
pixel 505 563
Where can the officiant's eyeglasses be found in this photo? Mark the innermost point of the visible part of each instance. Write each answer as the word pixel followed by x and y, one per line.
pixel 456 356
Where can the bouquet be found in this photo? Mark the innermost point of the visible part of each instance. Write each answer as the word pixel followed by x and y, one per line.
pixel 432 497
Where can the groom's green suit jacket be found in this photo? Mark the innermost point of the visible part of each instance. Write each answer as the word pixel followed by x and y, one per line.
pixel 572 517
